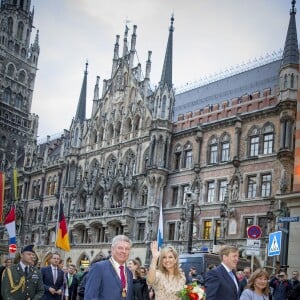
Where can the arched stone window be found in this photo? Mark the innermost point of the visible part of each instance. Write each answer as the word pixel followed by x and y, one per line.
pixel 188 156
pixel 136 124
pixel 110 131
pixel 268 139
pixel 285 82
pixel 101 131
pixel 19 101
pixel 128 125
pixel 117 128
pixel 20 30
pixel 225 148
pixel 253 137
pixel 11 70
pixel 22 76
pixel 144 196
pixel 292 80
pixel 53 185
pixel 286 133
pixel 48 188
pixel 212 150
pixel 7 95
pixel 10 24
pixel 177 157
pixel 94 137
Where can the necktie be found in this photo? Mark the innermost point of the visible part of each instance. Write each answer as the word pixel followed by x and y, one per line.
pixel 26 271
pixel 70 280
pixel 233 278
pixel 54 275
pixel 122 275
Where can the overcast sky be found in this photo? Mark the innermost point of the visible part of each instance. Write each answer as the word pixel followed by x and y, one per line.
pixel 210 37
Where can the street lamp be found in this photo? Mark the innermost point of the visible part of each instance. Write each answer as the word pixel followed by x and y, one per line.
pixel 191 199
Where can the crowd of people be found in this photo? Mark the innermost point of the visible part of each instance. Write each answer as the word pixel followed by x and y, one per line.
pixel 118 278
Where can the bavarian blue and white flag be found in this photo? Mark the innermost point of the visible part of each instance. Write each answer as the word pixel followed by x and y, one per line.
pixel 160 231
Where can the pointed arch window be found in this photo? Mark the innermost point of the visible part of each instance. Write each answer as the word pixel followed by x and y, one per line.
pixel 286 133
pixel 254 142
pixel 213 151
pixel 177 158
pixel 11 70
pixel 38 189
pixel 94 137
pixel 20 30
pixel 268 139
pixel 22 76
pixel 225 148
pixel 48 189
pixel 117 128
pixel 110 131
pixel 285 81
pixel 188 156
pixel 33 188
pixel 7 95
pixel 10 24
pixel 144 196
pixel 53 186
pixel 19 101
pixel 292 80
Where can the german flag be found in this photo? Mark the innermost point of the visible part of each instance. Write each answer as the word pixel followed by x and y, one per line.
pixel 62 237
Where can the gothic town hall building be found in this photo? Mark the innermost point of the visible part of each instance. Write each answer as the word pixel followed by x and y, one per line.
pixel 219 157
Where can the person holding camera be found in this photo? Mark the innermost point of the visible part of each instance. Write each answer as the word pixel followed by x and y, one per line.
pixel 194 276
pixel 281 286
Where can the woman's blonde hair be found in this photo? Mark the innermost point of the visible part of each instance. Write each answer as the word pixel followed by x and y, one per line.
pixel 258 273
pixel 163 252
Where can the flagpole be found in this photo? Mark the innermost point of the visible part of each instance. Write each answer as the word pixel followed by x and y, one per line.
pixel 57 219
pixel 58 196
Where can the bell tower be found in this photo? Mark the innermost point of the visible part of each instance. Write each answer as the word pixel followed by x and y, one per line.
pixel 18 66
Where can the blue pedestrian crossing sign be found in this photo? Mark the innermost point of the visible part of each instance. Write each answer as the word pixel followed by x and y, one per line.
pixel 274 245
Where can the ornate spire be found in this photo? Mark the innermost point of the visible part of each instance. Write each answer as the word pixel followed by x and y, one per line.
pixel 291 53
pixel 81 107
pixel 166 76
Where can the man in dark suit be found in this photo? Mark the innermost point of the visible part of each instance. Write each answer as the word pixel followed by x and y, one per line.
pixel 72 282
pixel 23 280
pixel 221 282
pixel 111 279
pixel 53 279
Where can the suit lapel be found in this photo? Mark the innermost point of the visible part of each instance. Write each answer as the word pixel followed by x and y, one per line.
pixel 114 273
pixel 227 277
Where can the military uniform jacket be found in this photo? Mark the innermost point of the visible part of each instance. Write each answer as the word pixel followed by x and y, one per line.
pixel 17 287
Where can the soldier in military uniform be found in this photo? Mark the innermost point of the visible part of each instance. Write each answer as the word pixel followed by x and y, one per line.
pixel 23 281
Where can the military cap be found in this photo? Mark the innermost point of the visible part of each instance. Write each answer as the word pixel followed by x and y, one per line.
pixel 28 248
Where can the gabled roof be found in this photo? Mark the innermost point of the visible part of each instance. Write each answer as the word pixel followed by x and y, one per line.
pixel 254 80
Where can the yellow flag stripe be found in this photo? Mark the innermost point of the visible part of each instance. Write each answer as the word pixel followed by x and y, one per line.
pixel 15 180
